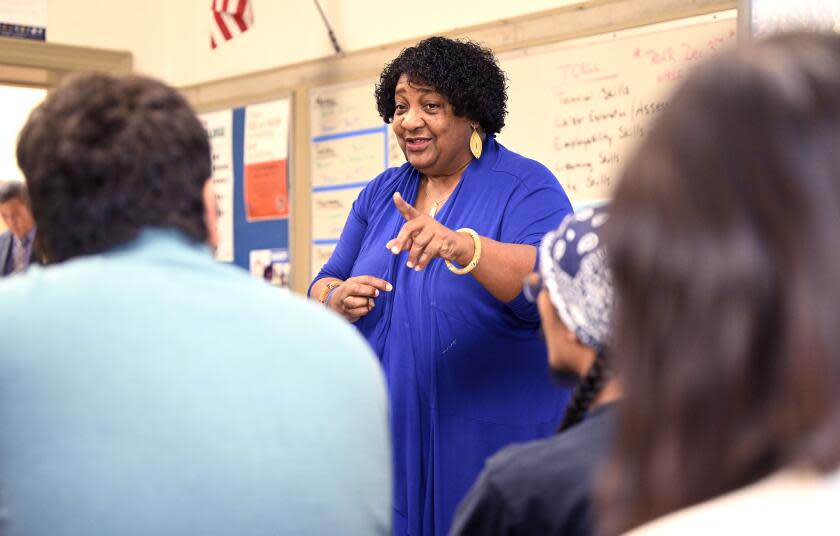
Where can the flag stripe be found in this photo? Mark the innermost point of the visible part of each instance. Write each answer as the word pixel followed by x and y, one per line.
pixel 220 22
pixel 230 18
pixel 240 22
pixel 248 14
pixel 216 34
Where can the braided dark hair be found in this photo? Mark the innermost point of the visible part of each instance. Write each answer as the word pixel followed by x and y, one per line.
pixel 586 392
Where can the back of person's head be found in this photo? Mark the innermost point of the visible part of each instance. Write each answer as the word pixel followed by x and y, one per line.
pixel 726 253
pixel 105 157
pixel 13 190
pixel 574 271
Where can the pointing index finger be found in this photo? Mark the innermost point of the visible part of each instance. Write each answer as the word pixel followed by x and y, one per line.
pixel 408 211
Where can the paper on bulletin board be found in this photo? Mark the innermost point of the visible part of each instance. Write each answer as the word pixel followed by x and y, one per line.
pixel 350 145
pixel 348 160
pixel 320 255
pixel 219 127
pixel 332 208
pixel 396 157
pixel 266 191
pixel 343 108
pixel 272 265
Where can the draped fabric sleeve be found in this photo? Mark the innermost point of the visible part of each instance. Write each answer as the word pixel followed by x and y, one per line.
pixel 537 206
pixel 346 250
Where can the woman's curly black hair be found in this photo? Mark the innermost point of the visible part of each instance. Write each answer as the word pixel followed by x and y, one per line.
pixel 464 72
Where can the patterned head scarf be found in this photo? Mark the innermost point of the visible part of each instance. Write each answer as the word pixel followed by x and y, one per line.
pixel 573 266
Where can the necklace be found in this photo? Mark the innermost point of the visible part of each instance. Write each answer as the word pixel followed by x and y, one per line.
pixel 436 204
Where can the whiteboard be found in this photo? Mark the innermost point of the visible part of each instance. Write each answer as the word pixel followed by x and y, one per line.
pixel 579 107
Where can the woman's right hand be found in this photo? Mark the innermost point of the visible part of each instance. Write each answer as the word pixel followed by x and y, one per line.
pixel 354 298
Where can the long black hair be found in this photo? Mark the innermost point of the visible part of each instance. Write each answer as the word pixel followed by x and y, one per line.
pixel 725 254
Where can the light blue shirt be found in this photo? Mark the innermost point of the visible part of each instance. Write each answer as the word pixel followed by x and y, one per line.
pixel 152 391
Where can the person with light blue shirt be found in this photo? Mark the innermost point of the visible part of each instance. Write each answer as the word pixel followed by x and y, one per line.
pixel 146 389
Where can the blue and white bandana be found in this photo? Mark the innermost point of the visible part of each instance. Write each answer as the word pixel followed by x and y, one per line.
pixel 573 266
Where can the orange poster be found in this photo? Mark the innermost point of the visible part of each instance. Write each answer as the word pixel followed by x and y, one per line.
pixel 266 192
pixel 266 186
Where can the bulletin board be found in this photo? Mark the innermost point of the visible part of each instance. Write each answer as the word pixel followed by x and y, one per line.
pixel 250 152
pixel 349 146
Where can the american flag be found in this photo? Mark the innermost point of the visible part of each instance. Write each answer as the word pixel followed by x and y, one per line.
pixel 230 18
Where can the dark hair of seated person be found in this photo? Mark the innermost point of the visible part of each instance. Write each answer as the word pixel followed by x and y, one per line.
pixel 725 255
pixel 13 190
pixel 105 157
pixel 464 72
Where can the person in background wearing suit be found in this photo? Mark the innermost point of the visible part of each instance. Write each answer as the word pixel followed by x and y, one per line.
pixel 144 387
pixel 17 249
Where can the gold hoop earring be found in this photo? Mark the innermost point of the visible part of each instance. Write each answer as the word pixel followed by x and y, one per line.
pixel 475 143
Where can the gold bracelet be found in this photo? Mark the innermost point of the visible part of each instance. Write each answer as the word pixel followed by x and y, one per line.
pixel 476 256
pixel 325 292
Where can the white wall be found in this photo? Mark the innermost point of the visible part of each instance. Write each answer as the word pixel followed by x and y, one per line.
pixel 170 38
pixel 132 25
pixel 15 105
pixel 774 16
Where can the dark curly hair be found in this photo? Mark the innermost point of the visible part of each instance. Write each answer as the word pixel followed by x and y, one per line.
pixel 105 157
pixel 464 72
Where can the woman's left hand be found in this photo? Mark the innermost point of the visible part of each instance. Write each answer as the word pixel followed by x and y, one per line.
pixel 425 238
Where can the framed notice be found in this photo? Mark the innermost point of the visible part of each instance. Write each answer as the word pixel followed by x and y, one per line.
pixel 266 149
pixel 250 147
pixel 350 145
pixel 219 126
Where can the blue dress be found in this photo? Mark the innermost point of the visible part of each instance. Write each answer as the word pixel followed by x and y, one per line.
pixel 467 374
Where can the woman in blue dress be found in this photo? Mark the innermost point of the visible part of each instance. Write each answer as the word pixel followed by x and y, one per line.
pixel 429 267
